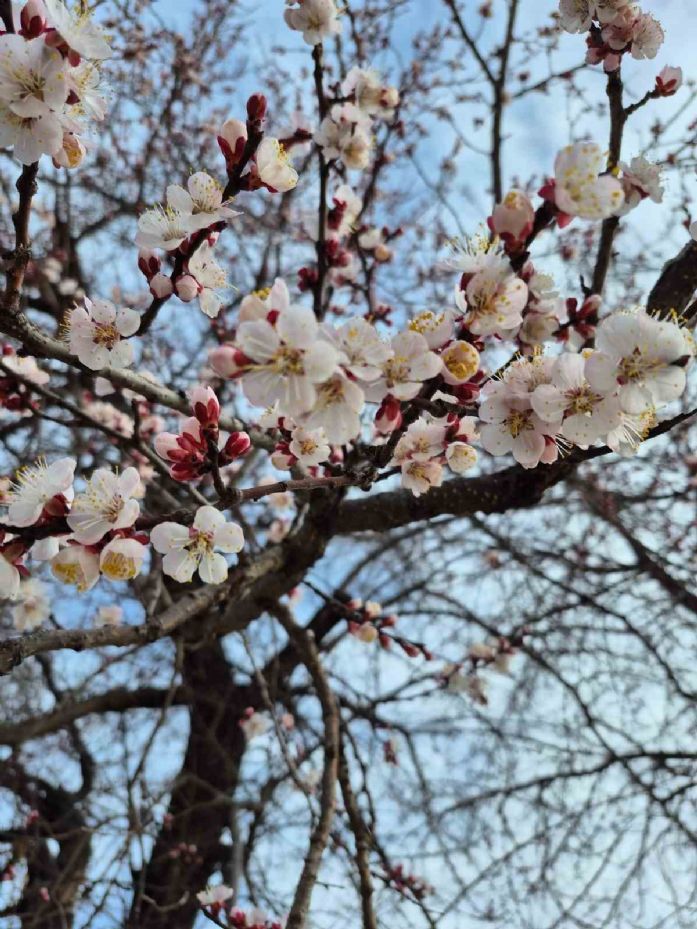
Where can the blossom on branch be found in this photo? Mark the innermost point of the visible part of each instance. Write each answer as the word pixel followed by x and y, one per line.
pixel 189 549
pixel 107 503
pixel 316 19
pixel 579 189
pixel 40 490
pixel 98 332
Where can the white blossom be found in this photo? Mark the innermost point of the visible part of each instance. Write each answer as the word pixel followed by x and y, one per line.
pixel 77 566
pixel 337 409
pixel 187 550
pixel 98 331
pixel 274 167
pixel 316 19
pixel 35 486
pixel 411 363
pixel 33 606
pixel 344 134
pixel 579 190
pixel 201 204
pixel 643 358
pixel 288 360
pixel 77 29
pixel 107 503
pixel 210 277
pixel 587 413
pixel 310 446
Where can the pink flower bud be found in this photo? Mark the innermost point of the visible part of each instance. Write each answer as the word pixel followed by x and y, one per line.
pixel 227 361
pixel 283 458
pixel 513 218
pixel 32 19
pixel 389 416
pixel 205 406
pixel 668 81
pixel 187 288
pixel 161 286
pixel 238 444
pixel 148 262
pixel 232 139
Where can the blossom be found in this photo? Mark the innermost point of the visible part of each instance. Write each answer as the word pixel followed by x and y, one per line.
pixel 36 487
pixel 511 425
pixel 647 37
pixel 363 352
pixel 668 81
pixel 343 134
pixel 471 254
pixel 587 413
pixel 76 29
pixel 30 136
pixel 309 446
pixel 213 896
pixel 643 358
pixel 337 409
pixel 122 559
pixel 83 82
pixel 578 190
pixel 71 153
pixel 493 301
pixel 460 457
pixel 460 362
pixel 436 328
pixel 513 219
pixel 411 363
pixel 260 303
pixel 232 139
pixel 97 333
pixel 575 15
pixel 210 277
pixel 76 565
pixel 369 93
pixel 420 476
pixel 631 431
pixel 640 179
pixel 316 19
pixel 274 167
pixel 33 78
pixel 422 441
pixel 187 550
pixel 107 503
pixel 33 607
pixel 287 360
pixel 343 215
pixel 9 575
pixel 163 227
pixel 201 204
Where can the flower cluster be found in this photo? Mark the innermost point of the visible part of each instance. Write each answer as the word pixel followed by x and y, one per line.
pixel 611 393
pixel 316 19
pixel 428 444
pixel 95 532
pixel 49 78
pixel 200 446
pixel 345 132
pixel 617 27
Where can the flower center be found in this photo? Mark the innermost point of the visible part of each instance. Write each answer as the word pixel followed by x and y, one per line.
pixel 106 335
pixel 518 422
pixel 288 361
pixel 118 567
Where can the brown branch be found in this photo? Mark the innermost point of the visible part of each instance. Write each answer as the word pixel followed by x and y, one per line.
pixel 304 641
pixel 618 117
